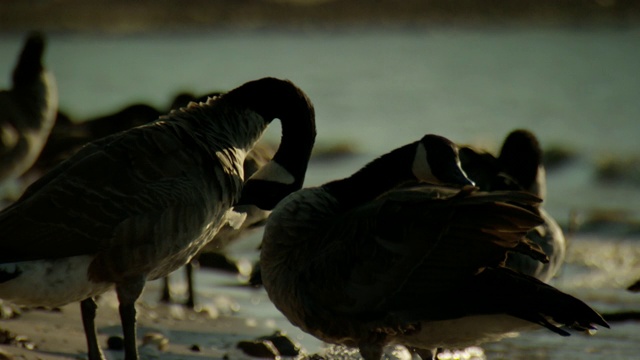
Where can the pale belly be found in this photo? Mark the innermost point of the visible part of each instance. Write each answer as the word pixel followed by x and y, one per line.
pixel 50 282
pixel 466 331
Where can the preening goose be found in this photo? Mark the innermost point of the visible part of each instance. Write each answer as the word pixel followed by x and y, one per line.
pixel 28 110
pixel 519 167
pixel 67 137
pixel 366 263
pixel 137 205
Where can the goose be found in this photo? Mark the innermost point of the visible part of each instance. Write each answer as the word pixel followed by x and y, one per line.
pixel 67 137
pixel 369 260
pixel 28 111
pixel 519 167
pixel 137 205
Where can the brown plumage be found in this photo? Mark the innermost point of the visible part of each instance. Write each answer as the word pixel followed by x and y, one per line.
pixel 519 167
pixel 68 136
pixel 139 204
pixel 369 261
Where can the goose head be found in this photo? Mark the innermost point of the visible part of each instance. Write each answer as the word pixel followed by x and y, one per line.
pixel 436 161
pixel 30 62
pixel 521 159
pixel 279 99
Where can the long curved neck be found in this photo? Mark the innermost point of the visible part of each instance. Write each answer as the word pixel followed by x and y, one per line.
pixel 377 177
pixel 29 69
pixel 34 88
pixel 280 99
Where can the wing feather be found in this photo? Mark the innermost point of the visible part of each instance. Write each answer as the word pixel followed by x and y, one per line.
pixel 86 203
pixel 418 236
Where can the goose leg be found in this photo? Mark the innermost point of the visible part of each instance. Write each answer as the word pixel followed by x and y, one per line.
pixel 166 292
pixel 191 303
pixel 88 309
pixel 128 292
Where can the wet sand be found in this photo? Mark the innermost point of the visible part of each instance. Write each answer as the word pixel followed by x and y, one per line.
pixel 596 271
pixel 212 332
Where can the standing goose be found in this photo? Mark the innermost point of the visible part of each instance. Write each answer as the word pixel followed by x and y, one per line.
pixel 365 263
pixel 67 137
pixel 28 111
pixel 137 205
pixel 519 167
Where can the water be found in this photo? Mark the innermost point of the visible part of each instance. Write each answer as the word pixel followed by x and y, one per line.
pixel 379 89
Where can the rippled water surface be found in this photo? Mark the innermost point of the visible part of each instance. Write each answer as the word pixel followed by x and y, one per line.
pixel 376 90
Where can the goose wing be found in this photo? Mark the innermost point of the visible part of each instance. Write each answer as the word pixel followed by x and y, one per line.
pixel 410 244
pixel 111 193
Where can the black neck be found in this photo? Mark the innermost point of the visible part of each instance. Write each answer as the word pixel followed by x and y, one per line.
pixel 29 67
pixel 521 157
pixel 273 98
pixel 377 177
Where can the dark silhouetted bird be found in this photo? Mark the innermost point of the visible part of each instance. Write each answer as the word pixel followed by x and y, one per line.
pixel 28 111
pixel 369 261
pixel 519 167
pixel 137 205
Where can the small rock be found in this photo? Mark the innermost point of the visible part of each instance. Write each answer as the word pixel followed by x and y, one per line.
pixel 9 311
pixel 195 348
pixel 9 338
pixel 283 344
pixel 115 342
pixel 259 348
pixel 156 339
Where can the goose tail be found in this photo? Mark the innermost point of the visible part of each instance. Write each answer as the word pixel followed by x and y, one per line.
pixel 537 302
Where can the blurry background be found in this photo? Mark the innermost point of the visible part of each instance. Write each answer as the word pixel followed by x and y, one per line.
pixel 383 73
pixel 149 15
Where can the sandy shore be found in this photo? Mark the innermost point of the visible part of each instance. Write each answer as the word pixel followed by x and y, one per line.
pixel 175 332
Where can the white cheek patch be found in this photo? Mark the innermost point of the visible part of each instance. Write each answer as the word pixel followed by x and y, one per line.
pixel 420 167
pixel 539 187
pixel 272 171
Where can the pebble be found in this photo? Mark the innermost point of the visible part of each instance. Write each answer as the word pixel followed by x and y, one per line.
pixel 156 339
pixel 9 338
pixel 115 342
pixel 283 344
pixel 259 348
